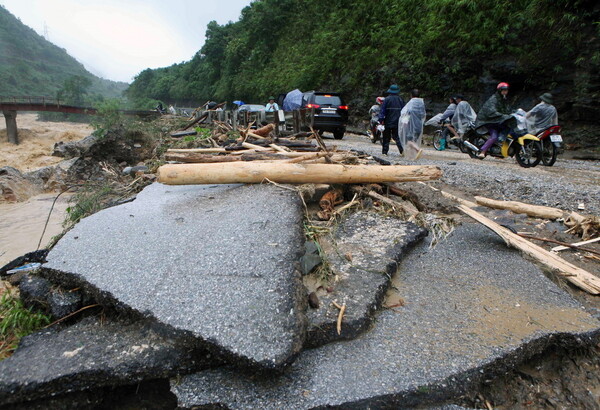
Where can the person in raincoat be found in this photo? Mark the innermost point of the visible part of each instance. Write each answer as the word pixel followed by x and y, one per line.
pixel 410 126
pixel 464 118
pixel 271 105
pixel 445 121
pixel 493 115
pixel 542 116
pixel 389 116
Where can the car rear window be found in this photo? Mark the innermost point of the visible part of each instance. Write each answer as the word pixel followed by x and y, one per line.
pixel 328 99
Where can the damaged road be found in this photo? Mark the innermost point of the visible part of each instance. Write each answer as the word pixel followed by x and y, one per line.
pixel 403 301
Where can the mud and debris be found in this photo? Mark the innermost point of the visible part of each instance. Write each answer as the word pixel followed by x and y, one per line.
pixel 459 320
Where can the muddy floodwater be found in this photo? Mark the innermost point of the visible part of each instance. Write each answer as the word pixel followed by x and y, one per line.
pixel 22 224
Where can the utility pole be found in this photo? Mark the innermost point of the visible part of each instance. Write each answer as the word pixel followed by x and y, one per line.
pixel 46 35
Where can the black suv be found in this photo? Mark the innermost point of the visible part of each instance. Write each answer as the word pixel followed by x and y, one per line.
pixel 330 112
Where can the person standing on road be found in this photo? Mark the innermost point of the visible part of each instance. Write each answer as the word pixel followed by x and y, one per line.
pixel 493 115
pixel 542 116
pixel 389 117
pixel 410 125
pixel 271 105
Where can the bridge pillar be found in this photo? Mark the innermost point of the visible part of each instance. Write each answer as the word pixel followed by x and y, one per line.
pixel 11 126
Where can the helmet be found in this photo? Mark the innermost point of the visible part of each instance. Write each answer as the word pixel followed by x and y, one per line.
pixel 502 86
pixel 379 100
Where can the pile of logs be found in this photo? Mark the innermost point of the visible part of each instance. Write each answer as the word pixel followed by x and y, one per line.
pixel 258 156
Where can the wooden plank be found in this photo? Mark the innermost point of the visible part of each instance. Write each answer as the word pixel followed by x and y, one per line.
pixel 577 276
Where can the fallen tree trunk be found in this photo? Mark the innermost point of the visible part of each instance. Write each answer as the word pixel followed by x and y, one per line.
pixel 194 157
pixel 254 173
pixel 535 211
pixel 577 276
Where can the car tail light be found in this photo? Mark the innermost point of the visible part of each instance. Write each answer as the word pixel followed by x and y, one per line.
pixel 312 105
pixel 343 107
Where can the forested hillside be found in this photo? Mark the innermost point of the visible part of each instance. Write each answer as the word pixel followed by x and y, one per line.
pixel 358 47
pixel 31 65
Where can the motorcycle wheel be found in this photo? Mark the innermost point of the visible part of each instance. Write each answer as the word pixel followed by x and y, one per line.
pixel 549 152
pixel 530 154
pixel 437 136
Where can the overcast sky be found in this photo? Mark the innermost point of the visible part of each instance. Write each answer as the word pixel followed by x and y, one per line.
pixel 116 39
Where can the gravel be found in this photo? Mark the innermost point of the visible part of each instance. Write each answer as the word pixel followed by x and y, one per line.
pixel 564 185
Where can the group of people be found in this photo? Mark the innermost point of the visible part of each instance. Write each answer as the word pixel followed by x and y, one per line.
pixel 404 122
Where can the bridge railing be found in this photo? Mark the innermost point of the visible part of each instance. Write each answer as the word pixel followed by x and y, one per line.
pixel 29 100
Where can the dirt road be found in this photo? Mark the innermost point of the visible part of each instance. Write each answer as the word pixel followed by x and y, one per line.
pixel 565 185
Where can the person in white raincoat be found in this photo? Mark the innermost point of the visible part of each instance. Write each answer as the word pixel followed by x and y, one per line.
pixel 410 126
pixel 542 116
pixel 464 118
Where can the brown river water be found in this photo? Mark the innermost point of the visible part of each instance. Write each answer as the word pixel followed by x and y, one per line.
pixel 22 223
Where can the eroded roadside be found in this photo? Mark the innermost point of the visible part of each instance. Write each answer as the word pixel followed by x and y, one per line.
pixel 441 335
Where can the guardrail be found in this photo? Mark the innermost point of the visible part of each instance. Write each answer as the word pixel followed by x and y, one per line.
pixel 29 100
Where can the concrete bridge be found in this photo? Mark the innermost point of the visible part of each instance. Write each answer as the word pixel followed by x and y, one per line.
pixel 11 105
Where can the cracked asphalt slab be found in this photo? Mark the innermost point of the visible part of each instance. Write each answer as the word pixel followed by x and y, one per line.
pixel 473 308
pixel 93 354
pixel 214 262
pixel 362 254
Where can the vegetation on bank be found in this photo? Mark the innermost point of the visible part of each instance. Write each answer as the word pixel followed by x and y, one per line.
pixel 16 321
pixel 360 47
pixel 32 66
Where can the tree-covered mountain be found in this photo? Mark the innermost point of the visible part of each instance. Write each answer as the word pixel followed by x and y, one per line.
pixel 32 66
pixel 359 47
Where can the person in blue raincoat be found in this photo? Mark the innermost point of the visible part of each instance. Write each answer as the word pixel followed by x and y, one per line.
pixel 389 116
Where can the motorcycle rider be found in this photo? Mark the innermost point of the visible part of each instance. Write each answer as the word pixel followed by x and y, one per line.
pixel 389 116
pixel 374 113
pixel 542 116
pixel 494 114
pixel 445 121
pixel 464 118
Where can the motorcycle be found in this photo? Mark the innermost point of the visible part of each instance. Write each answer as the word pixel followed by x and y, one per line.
pixel 443 139
pixel 526 148
pixel 375 133
pixel 551 142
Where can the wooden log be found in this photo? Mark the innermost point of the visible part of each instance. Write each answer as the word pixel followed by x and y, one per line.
pixel 448 195
pixel 407 196
pixel 255 173
pixel 200 150
pixel 255 147
pixel 536 211
pixel 264 131
pixel 407 207
pixel 577 276
pixel 568 245
pixel 196 157
pixel 574 245
pixel 199 158
pixel 200 118
pixel 278 148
